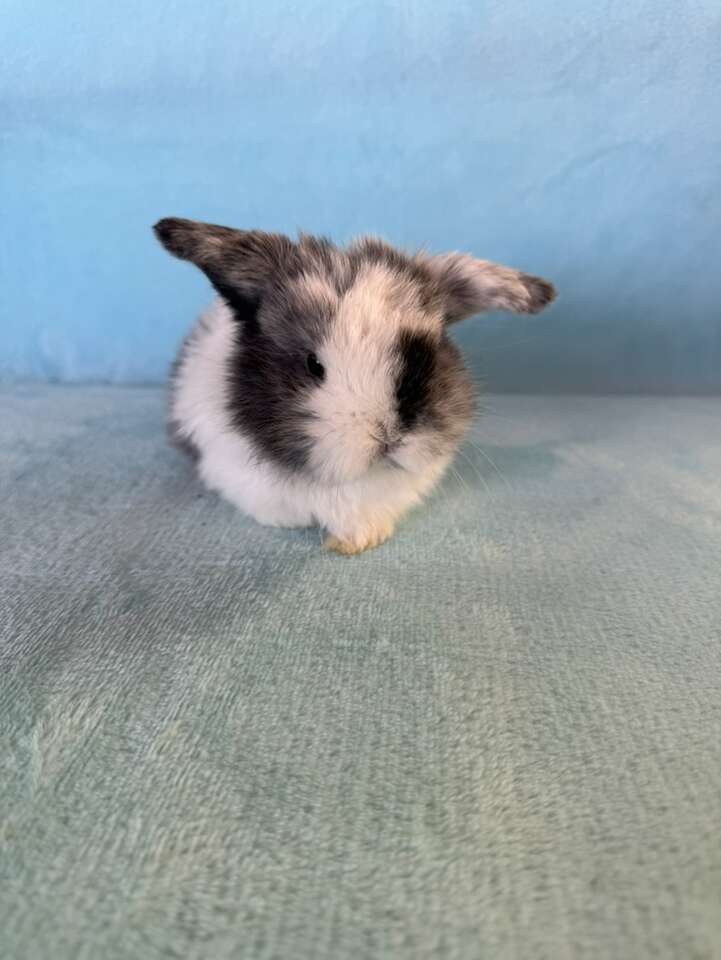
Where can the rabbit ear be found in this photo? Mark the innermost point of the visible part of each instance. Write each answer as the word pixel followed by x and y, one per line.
pixel 471 286
pixel 238 263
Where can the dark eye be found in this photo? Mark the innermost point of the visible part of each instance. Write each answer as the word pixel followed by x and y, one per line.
pixel 315 367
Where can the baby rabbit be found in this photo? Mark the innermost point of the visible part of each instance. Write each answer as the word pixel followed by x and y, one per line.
pixel 321 386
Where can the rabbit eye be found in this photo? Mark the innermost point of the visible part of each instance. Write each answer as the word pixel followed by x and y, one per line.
pixel 315 367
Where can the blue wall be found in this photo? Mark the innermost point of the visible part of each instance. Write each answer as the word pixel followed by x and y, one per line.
pixel 574 138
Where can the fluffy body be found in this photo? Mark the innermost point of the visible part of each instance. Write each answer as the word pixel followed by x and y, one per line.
pixel 357 514
pixel 322 387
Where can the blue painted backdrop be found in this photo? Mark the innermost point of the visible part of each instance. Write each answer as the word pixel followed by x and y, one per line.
pixel 574 138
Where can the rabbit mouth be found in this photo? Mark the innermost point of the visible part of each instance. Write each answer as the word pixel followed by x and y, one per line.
pixel 386 457
pixel 387 445
pixel 393 464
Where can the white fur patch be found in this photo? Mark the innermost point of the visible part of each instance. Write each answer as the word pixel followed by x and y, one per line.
pixel 354 410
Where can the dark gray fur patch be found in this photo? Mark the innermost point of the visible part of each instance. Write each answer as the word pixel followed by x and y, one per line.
pixel 417 356
pixel 268 378
pixel 541 292
pixel 451 398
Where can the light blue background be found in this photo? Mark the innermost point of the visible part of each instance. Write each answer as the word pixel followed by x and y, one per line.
pixel 574 138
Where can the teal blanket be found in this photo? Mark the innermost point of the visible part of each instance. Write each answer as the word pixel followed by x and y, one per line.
pixel 498 735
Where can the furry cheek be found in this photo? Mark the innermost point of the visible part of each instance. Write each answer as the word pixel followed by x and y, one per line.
pixel 341 446
pixel 338 454
pixel 348 414
pixel 421 449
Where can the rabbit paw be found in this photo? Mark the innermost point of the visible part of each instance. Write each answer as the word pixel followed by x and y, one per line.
pixel 365 539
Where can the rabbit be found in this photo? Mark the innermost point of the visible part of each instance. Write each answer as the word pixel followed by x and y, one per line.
pixel 321 387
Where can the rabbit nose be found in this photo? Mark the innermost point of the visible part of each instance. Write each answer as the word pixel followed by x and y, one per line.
pixel 387 441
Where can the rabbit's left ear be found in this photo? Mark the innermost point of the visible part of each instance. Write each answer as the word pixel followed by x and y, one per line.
pixel 471 286
pixel 239 263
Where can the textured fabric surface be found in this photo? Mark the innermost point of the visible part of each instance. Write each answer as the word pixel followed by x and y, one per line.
pixel 499 735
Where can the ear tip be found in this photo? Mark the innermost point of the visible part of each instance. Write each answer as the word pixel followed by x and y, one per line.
pixel 541 293
pixel 165 226
pixel 172 233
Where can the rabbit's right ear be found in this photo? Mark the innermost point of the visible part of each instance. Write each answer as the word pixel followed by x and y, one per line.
pixel 238 263
pixel 469 286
